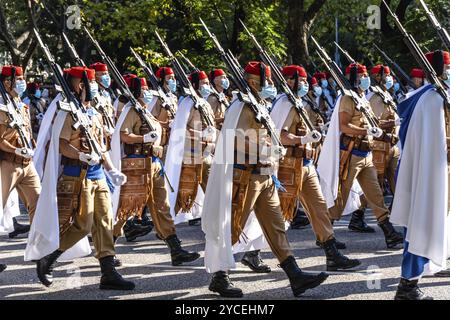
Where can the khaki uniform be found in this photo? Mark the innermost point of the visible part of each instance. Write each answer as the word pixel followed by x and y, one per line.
pixel 360 168
pixel 145 185
pixel 165 119
pixel 310 193
pixel 256 191
pixel 94 214
pixel 218 109
pixel 16 171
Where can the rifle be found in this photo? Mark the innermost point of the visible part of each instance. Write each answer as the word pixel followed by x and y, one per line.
pixel 315 108
pixel 280 80
pixel 343 83
pixel 421 59
pixel 166 102
pixel 345 53
pixel 399 69
pixel 442 33
pixel 245 92
pixel 143 113
pixel 219 97
pixel 16 121
pixel 199 103
pixel 76 109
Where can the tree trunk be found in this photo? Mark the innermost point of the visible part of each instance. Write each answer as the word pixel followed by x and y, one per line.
pixel 239 13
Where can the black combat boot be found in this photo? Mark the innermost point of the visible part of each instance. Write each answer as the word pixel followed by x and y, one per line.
pixel 300 220
pixel 44 267
pixel 252 259
pixel 409 290
pixel 111 279
pixel 358 224
pixel 117 262
pixel 2 267
pixel 339 245
pixel 177 253
pixel 392 237
pixel 221 284
pixel 133 230
pixel 301 281
pixel 336 260
pixel 18 229
pixel 147 222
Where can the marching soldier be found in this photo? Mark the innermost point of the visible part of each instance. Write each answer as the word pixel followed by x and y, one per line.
pixel 356 161
pixel 230 197
pixel 326 100
pixel 37 106
pixel 298 166
pixel 221 83
pixel 418 78
pixel 385 153
pixel 17 169
pixel 146 185
pixel 84 202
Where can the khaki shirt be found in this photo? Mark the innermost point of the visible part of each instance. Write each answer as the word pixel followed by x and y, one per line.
pixel 161 113
pixel 217 107
pixel 358 119
pixel 133 123
pixel 10 134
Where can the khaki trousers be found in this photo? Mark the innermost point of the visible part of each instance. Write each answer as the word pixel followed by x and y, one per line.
pixel 25 179
pixel 313 202
pixel 95 216
pixel 262 197
pixel 364 171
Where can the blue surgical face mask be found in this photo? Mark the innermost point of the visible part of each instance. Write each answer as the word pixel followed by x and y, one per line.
pixel 225 83
pixel 172 84
pixel 205 90
pixel 303 90
pixel 45 93
pixel 21 86
pixel 333 84
pixel 388 82
pixel 396 86
pixel 364 83
pixel 447 81
pixel 317 90
pixel 105 81
pixel 268 92
pixel 38 94
pixel 324 83
pixel 94 89
pixel 147 97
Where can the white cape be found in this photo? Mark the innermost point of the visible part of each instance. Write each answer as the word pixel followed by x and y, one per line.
pixel 328 166
pixel 10 211
pixel 44 233
pixel 421 197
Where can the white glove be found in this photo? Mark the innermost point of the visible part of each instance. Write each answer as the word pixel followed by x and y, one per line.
pixel 40 116
pixel 117 177
pixel 398 122
pixel 374 131
pixel 109 131
pixel 209 134
pixel 151 137
pixel 90 159
pixel 24 152
pixel 312 136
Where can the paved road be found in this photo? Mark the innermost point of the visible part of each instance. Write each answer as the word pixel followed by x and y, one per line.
pixel 147 262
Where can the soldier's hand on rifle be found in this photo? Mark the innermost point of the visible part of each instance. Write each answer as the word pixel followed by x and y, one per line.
pixel 311 137
pixel 209 134
pixel 151 137
pixel 91 159
pixel 117 177
pixel 375 132
pixel 24 152
pixel 271 153
pixel 109 131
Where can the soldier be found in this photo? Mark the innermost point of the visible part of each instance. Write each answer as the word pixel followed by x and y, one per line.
pixel 241 185
pixel 385 153
pixel 102 100
pixel 418 78
pixel 298 166
pixel 355 157
pixel 420 205
pixel 37 106
pixel 144 168
pixel 83 185
pixel 326 101
pixel 220 82
pixel 17 169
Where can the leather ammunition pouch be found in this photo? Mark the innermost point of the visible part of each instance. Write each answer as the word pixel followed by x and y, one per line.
pixel 360 144
pixel 14 158
pixel 241 178
pixel 190 179
pixel 290 174
pixel 69 197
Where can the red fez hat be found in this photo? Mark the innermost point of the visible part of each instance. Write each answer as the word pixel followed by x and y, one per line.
pixel 313 81
pixel 320 75
pixel 98 66
pixel 32 86
pixel 417 73
pixel 217 73
pixel 77 72
pixel 166 70
pixel 445 55
pixel 144 82
pixel 7 71
pixel 291 70
pixel 328 75
pixel 201 75
pixel 254 67
pixel 377 69
pixel 360 68
pixel 129 78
